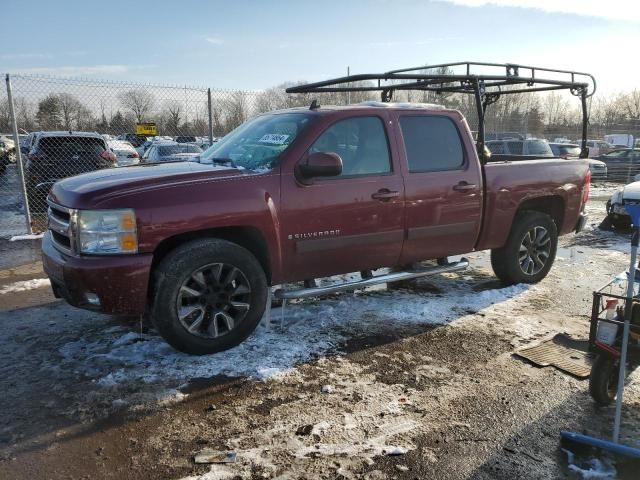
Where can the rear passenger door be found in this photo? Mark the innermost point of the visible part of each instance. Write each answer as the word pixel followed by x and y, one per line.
pixel 443 186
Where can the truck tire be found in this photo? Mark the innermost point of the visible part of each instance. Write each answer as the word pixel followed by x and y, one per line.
pixel 209 295
pixel 529 251
pixel 603 381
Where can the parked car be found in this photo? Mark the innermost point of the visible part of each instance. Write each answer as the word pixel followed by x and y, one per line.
pixel 598 147
pixel 624 140
pixel 622 164
pixel 527 147
pixel 125 153
pixel 617 215
pixel 186 139
pixel 171 152
pixel 133 139
pixel 7 150
pixel 566 150
pixel 294 195
pixel 57 155
pixel 144 147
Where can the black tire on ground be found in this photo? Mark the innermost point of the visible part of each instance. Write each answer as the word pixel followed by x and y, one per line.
pixel 603 382
pixel 541 233
pixel 231 298
pixel 620 223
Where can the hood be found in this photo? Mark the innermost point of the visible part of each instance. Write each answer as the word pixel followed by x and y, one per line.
pixel 91 189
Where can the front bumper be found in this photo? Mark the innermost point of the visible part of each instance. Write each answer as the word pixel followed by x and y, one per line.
pixel 582 221
pixel 109 284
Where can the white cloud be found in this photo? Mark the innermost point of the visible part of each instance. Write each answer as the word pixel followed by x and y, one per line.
pixel 214 40
pixel 25 56
pixel 628 10
pixel 73 70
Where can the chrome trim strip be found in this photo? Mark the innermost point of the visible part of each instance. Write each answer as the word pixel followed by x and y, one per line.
pixel 57 225
pixel 388 278
pixel 59 246
pixel 59 207
pixel 70 226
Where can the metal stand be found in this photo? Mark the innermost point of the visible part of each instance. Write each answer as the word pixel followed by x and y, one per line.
pixel 627 320
pixel 633 208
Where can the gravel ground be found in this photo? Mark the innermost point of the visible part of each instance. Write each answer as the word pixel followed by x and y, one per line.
pixel 419 382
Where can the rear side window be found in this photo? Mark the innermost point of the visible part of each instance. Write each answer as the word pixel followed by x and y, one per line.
pixel 515 148
pixel 432 143
pixel 71 146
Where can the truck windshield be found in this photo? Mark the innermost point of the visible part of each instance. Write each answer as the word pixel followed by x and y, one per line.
pixel 258 143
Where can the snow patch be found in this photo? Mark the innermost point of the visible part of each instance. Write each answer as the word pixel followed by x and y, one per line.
pixel 25 285
pixel 309 330
pixel 592 468
pixel 26 237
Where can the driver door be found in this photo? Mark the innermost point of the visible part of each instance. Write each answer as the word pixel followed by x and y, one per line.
pixel 350 222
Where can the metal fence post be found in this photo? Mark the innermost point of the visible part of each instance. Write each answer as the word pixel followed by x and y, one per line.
pixel 210 117
pixel 16 139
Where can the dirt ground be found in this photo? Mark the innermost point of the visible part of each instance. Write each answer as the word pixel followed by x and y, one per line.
pixel 349 387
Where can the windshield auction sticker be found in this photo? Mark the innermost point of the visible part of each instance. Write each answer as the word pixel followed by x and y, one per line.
pixel 274 139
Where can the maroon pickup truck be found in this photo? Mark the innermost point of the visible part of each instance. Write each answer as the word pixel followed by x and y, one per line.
pixel 297 195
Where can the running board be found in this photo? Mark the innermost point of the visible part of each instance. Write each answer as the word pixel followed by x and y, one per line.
pixel 282 294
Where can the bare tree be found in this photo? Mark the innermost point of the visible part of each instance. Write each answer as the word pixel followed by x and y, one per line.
pixel 172 115
pixel 138 101
pixel 630 102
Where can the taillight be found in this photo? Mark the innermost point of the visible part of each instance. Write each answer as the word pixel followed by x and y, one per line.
pixel 133 155
pixel 108 156
pixel 587 186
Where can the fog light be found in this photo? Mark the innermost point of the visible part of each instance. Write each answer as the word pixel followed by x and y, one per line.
pixel 92 299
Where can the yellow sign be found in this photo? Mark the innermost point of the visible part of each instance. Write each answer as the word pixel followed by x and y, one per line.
pixel 146 129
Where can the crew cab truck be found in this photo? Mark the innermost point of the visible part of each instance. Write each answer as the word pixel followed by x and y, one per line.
pixel 295 195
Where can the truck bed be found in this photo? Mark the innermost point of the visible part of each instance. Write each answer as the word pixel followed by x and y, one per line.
pixel 510 183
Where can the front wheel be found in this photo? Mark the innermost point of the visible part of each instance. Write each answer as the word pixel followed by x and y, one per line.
pixel 529 251
pixel 603 382
pixel 209 296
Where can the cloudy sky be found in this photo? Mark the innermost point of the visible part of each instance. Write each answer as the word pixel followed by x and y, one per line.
pixel 257 44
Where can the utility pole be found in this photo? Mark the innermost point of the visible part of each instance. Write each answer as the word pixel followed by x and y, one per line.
pixel 348 93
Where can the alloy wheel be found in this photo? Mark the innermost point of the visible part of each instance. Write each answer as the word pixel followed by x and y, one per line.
pixel 213 300
pixel 535 250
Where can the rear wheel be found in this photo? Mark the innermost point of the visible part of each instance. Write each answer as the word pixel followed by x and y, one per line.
pixel 529 251
pixel 603 382
pixel 209 296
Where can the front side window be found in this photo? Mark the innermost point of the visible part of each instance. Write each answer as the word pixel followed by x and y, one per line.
pixel 258 143
pixel 362 144
pixel 432 143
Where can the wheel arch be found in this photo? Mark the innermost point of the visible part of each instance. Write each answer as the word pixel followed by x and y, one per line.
pixel 552 205
pixel 246 236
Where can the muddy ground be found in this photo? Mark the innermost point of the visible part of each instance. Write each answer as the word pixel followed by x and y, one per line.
pixel 419 382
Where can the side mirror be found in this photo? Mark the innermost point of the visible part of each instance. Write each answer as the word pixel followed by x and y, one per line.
pixel 24 150
pixel 320 164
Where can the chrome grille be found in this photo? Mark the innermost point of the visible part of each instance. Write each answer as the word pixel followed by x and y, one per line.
pixel 59 223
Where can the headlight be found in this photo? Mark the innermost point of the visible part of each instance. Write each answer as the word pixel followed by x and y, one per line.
pixel 107 231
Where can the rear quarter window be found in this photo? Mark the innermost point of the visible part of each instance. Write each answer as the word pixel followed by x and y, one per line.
pixel 432 143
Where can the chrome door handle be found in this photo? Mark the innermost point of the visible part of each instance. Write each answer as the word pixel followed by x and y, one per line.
pixel 384 194
pixel 464 187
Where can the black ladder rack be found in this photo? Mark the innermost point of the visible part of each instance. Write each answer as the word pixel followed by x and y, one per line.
pixel 486 86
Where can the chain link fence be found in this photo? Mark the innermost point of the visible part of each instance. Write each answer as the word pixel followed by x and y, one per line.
pixel 70 126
